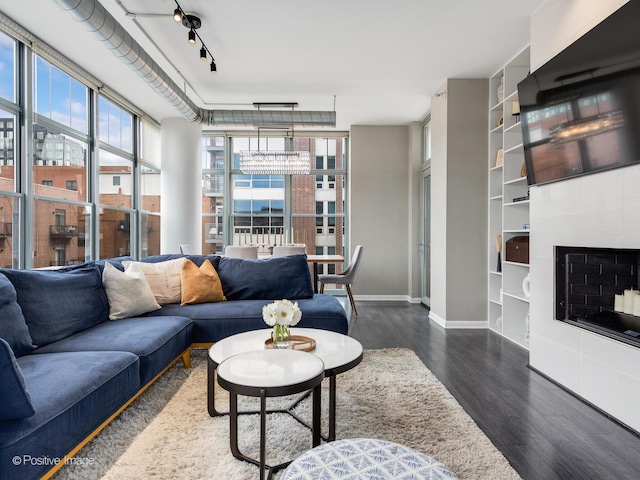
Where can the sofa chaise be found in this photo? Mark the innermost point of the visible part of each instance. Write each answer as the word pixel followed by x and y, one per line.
pixel 67 369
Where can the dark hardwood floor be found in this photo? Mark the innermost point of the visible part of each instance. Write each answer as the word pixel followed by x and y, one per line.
pixel 544 432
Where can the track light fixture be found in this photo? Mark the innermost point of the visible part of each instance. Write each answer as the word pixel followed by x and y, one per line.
pixel 192 22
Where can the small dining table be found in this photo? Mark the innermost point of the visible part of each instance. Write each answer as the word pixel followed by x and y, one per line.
pixel 316 259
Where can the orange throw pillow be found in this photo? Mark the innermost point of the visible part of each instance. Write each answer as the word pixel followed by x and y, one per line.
pixel 200 285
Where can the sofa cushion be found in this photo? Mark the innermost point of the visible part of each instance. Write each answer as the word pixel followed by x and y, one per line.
pixel 16 402
pixel 197 259
pixel 200 284
pixel 13 327
pixel 215 321
pixel 58 303
pixel 116 262
pixel 266 279
pixel 155 340
pixel 164 278
pixel 128 292
pixel 72 394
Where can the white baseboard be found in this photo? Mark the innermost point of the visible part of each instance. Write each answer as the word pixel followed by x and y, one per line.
pixel 458 324
pixel 385 298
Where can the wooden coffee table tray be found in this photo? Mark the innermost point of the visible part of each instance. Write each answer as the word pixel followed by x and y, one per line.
pixel 296 342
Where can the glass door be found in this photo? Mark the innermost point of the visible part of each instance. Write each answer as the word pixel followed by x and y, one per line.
pixel 425 244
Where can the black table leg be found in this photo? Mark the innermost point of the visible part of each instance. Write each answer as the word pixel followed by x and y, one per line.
pixel 211 388
pixel 332 408
pixel 233 425
pixel 263 428
pixel 316 415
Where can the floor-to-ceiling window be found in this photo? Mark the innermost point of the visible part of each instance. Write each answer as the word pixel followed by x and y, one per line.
pixel 116 180
pixel 268 210
pixel 61 207
pixel 82 163
pixel 258 201
pixel 213 191
pixel 10 201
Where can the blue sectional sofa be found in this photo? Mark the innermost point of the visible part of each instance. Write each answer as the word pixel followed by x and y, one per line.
pixel 66 370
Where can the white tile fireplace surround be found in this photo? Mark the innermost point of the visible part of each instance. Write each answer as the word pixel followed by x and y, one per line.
pixel 600 210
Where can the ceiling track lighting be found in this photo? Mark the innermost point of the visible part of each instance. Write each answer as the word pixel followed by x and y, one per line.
pixel 192 22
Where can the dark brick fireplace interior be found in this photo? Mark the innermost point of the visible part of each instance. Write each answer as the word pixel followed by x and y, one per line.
pixel 587 280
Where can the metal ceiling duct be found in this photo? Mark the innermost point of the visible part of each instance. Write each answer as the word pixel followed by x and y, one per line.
pixel 113 36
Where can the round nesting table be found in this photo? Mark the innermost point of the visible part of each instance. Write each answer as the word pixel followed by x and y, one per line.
pixel 269 373
pixel 338 352
pixel 363 459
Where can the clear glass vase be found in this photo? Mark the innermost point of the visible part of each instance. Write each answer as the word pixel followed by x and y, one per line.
pixel 280 336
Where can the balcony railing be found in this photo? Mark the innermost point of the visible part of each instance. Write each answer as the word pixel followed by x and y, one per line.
pixel 214 186
pixel 212 233
pixel 63 231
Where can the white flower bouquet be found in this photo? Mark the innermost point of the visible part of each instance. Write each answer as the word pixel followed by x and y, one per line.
pixel 281 315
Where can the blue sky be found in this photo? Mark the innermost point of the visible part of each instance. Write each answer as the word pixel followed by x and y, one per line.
pixel 7 55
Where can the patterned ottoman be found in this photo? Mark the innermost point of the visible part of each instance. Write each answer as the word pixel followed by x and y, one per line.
pixel 365 458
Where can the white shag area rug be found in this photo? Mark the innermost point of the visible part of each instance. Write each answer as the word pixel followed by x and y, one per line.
pixel 168 434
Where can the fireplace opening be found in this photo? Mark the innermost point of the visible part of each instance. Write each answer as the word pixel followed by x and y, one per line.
pixel 595 288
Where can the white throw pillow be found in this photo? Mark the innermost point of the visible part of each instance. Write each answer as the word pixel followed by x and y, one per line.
pixel 163 278
pixel 128 292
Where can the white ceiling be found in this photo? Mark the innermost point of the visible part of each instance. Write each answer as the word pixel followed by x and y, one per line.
pixel 381 59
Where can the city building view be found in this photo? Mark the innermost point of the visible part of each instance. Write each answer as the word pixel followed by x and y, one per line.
pixel 82 191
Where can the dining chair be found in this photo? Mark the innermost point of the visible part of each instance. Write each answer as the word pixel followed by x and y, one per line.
pixel 186 249
pixel 241 251
pixel 283 250
pixel 347 278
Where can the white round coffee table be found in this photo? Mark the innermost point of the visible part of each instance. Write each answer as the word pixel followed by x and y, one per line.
pixel 338 352
pixel 269 373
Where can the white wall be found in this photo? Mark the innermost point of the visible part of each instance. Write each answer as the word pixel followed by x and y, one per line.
pixel 458 203
pixel 379 200
pixel 598 210
pixel 559 23
pixel 439 146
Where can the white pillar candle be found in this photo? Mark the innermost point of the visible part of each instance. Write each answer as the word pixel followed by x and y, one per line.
pixel 618 305
pixel 636 305
pixel 628 300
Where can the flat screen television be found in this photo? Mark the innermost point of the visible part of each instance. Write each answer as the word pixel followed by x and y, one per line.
pixel 580 112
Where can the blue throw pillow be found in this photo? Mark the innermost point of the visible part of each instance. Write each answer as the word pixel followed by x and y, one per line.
pixel 13 327
pixel 266 279
pixel 16 402
pixel 59 303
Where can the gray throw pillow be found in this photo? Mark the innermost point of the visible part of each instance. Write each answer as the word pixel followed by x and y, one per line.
pixel 128 292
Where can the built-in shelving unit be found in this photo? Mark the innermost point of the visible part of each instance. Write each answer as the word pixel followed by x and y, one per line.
pixel 508 216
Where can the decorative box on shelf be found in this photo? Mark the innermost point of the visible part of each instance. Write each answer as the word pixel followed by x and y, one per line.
pixel 518 249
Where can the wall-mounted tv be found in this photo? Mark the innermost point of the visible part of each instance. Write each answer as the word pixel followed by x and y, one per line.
pixel 580 112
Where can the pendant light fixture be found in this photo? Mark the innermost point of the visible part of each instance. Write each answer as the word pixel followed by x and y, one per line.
pixel 270 162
